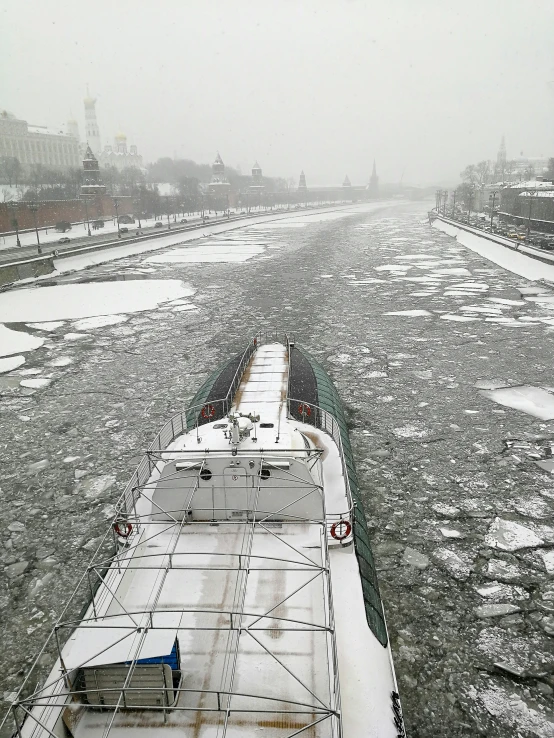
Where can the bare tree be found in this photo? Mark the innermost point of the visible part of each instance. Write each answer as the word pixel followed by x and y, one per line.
pixel 10 169
pixel 482 172
pixel 469 174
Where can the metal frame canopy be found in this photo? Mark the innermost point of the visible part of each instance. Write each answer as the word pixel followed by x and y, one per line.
pixel 245 598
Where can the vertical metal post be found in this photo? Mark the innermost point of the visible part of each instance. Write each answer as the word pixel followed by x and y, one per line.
pixel 91 594
pixel 17 728
pixel 64 670
pixel 492 208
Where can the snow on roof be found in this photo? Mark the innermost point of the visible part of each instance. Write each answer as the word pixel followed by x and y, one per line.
pixel 533 184
pixel 534 193
pixel 45 130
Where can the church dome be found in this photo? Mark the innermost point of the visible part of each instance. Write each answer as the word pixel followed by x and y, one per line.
pixel 120 136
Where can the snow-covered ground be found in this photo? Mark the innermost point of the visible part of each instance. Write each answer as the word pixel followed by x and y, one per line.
pixel 515 261
pixel 79 231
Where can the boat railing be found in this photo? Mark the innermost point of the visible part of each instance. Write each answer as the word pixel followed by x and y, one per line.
pixel 187 420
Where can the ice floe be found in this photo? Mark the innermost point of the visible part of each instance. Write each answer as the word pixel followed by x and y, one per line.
pixel 77 337
pixel 458 567
pixel 511 710
pixel 61 361
pixel 535 401
pixel 411 313
pixel 84 300
pixel 35 383
pixel 501 591
pixel 548 558
pixel 15 342
pixel 508 535
pixel 7 365
pixel 458 318
pixel 208 253
pixel 47 326
pixel 99 321
pixel 496 610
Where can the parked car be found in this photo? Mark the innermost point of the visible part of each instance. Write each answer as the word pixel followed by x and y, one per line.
pixel 184 220
pixel 126 219
pixel 97 224
pixel 124 230
pixel 158 224
pixel 65 239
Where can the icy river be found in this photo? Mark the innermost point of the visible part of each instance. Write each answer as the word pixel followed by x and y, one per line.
pixel 444 361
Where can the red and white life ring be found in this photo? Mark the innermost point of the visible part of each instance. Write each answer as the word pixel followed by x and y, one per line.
pixel 341 530
pixel 304 409
pixel 123 529
pixel 208 411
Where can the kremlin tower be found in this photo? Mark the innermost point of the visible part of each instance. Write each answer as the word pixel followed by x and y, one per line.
pixel 92 132
pixel 92 184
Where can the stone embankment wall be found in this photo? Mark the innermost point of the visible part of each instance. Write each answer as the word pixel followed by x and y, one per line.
pixel 51 212
pixel 26 270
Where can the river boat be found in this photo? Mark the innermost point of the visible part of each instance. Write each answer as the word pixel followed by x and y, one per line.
pixel 240 595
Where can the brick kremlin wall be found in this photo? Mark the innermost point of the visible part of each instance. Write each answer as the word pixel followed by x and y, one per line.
pixel 51 212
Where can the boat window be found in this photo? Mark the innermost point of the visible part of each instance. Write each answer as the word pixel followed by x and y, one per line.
pixel 182 465
pixel 205 475
pixel 267 425
pixel 265 473
pixel 220 425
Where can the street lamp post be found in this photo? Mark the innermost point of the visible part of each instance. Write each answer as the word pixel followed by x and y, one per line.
pixel 85 199
pixel 139 208
pixel 444 202
pixel 115 202
pixel 167 213
pixel 33 207
pixel 531 195
pixel 13 207
pixel 454 204
pixel 469 204
pixel 493 194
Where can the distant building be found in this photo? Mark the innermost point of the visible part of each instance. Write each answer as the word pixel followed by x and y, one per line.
pixel 119 156
pixel 501 159
pixel 92 132
pixel 73 129
pixel 257 182
pixel 36 144
pixel 347 182
pixel 92 184
pixel 302 186
pixel 219 186
pixel 373 186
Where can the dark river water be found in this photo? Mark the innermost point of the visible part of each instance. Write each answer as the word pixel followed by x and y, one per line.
pixel 419 334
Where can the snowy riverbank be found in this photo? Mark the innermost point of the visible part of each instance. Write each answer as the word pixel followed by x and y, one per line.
pixel 520 262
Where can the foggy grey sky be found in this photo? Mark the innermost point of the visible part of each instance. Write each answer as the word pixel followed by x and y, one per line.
pixel 425 86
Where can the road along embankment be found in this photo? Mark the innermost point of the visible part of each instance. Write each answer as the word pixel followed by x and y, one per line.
pixel 518 258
